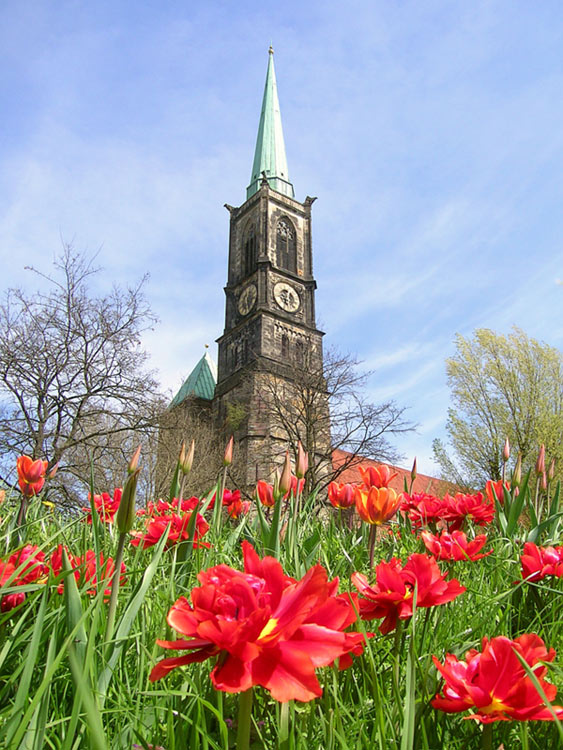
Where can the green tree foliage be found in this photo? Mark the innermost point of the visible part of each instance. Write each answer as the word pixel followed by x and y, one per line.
pixel 502 386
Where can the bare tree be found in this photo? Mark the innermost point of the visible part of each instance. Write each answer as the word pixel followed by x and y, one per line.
pixel 73 374
pixel 326 409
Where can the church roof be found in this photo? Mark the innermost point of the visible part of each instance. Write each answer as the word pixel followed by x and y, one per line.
pixel 200 382
pixel 269 156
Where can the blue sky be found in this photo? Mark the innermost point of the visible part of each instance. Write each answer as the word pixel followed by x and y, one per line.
pixel 431 132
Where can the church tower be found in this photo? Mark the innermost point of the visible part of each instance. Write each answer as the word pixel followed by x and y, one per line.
pixel 270 337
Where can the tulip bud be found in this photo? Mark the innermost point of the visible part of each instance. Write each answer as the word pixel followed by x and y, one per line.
pixel 413 470
pixel 517 473
pixel 285 479
pixel 302 461
pixel 182 456
pixel 125 516
pixel 53 471
pixel 276 484
pixel 189 459
pixel 551 472
pixel 540 463
pixel 132 468
pixel 544 481
pixel 506 451
pixel 228 459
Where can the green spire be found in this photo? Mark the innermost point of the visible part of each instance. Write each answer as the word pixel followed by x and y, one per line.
pixel 200 382
pixel 269 156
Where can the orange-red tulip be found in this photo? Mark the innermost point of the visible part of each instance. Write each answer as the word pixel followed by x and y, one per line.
pixel 377 476
pixel 376 505
pixel 265 493
pixel 31 475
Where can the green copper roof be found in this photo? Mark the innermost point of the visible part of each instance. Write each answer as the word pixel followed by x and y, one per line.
pixel 200 382
pixel 269 156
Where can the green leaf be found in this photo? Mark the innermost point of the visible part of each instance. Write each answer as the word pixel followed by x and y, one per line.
pixel 127 618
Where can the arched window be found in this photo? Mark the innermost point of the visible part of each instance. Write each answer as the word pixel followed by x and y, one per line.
pixel 299 353
pixel 286 246
pixel 249 252
pixel 285 346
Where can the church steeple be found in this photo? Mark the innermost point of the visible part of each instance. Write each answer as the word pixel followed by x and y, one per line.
pixel 269 156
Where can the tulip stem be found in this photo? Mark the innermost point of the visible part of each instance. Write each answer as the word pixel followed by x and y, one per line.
pixel 219 502
pixel 524 735
pixel 371 544
pixel 396 649
pixel 487 737
pixel 283 737
pixel 115 586
pixel 22 512
pixel 244 719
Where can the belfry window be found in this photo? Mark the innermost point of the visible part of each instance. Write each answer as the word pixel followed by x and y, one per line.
pixel 285 346
pixel 286 246
pixel 249 252
pixel 299 353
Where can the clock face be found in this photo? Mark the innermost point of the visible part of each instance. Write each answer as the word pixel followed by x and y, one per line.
pixel 287 297
pixel 247 299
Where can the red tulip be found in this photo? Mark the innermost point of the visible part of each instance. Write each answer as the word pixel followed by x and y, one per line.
pixel 7 578
pixel 86 570
pixel 392 596
pixel 422 509
pixel 495 683
pixel 539 562
pixel 341 495
pixel 377 476
pixel 105 505
pixel 376 505
pixel 230 496
pixel 25 566
pixel 266 628
pixel 11 601
pixel 461 507
pixel 162 507
pixel 238 508
pixel 175 526
pixel 495 490
pixel 454 545
pixel 31 475
pixel 265 493
pixel 33 561
pixel 294 484
pixel 235 506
